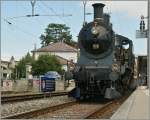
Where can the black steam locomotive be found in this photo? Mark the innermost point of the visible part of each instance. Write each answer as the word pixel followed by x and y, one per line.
pixel 106 61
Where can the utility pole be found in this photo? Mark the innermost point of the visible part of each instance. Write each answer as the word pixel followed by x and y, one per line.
pixel 84 12
pixel 33 4
pixel 84 5
pixel 36 15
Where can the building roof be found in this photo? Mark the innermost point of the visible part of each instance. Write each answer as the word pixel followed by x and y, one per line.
pixel 62 61
pixel 57 47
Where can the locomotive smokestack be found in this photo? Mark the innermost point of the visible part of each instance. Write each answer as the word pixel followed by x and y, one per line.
pixel 98 10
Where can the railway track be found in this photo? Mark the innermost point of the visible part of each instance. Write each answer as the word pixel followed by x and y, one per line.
pixel 23 97
pixel 73 110
pixel 13 92
pixel 34 113
pixel 107 110
pixel 77 111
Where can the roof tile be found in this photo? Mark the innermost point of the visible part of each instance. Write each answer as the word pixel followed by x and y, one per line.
pixel 57 47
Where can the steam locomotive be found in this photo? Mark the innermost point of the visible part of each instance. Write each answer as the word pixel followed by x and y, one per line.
pixel 106 61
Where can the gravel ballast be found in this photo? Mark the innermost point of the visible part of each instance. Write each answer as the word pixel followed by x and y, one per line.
pixel 19 107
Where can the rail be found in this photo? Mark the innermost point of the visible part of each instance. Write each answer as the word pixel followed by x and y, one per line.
pixel 107 110
pixel 23 97
pixel 34 113
pixel 74 110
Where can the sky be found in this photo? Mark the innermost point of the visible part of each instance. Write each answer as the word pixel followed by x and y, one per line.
pixel 20 37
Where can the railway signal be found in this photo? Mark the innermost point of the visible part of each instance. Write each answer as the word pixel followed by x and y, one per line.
pixel 142 24
pixel 142 33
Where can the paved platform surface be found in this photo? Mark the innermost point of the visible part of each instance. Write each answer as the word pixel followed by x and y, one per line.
pixel 136 107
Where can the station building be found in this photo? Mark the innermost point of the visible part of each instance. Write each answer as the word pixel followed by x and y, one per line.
pixel 142 69
pixel 140 72
pixel 61 50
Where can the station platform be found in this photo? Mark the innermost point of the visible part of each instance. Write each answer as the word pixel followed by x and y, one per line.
pixel 136 107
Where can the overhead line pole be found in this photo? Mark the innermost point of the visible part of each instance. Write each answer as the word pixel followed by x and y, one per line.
pixel 33 4
pixel 84 5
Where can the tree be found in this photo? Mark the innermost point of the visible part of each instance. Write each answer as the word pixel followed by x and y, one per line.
pixel 55 33
pixel 20 68
pixel 46 63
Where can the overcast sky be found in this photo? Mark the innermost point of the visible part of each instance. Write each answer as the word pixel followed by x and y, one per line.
pixel 19 37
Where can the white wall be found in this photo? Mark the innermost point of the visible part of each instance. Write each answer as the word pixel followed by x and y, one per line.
pixel 23 85
pixel 66 55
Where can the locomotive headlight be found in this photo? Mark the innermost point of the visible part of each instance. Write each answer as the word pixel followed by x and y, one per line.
pixel 95 46
pixel 94 31
pixel 115 67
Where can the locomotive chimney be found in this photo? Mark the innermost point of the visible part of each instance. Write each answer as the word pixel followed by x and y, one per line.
pixel 98 10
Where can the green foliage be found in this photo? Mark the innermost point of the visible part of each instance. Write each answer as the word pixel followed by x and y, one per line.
pixel 20 68
pixel 46 63
pixel 55 33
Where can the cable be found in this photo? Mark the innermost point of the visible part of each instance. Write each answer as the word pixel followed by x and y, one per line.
pixel 51 9
pixel 34 19
pixel 18 28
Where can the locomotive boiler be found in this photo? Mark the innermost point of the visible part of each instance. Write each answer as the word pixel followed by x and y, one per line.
pixel 105 64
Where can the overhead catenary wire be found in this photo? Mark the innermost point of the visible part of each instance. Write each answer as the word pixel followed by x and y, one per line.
pixel 52 10
pixel 19 28
pixel 39 22
pixel 8 19
pixel 15 29
pixel 37 15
